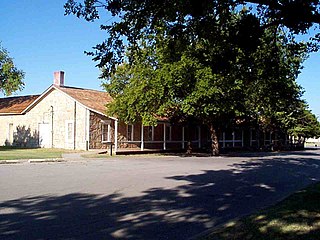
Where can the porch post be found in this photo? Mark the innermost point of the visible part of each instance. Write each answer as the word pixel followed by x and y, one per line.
pixel 164 137
pixel 242 139
pixel 88 129
pixel 233 138
pixel 199 136
pixel 224 139
pixel 182 138
pixel 109 132
pixel 115 136
pixel 142 142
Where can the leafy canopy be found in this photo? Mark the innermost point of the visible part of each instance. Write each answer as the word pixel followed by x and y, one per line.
pixel 212 80
pixel 11 79
pixel 185 19
pixel 210 60
pixel 306 124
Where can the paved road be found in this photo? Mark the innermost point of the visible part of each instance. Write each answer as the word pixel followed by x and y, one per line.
pixel 144 197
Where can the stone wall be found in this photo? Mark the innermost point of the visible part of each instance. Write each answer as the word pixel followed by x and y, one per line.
pixel 122 136
pixel 64 109
pixel 96 124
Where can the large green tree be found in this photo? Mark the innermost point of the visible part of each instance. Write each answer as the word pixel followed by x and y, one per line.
pixel 11 78
pixel 186 18
pixel 306 124
pixel 214 80
pixel 215 61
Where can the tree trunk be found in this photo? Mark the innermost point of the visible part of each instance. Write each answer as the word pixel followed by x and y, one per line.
pixel 214 141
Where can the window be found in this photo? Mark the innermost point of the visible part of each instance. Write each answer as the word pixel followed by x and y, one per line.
pixel 69 131
pixel 105 132
pixel 130 132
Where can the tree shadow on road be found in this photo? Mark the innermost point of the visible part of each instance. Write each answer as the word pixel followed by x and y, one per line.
pixel 200 202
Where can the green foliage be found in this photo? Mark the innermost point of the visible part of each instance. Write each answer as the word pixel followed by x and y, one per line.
pixel 10 77
pixel 209 81
pixel 183 20
pixel 306 125
pixel 272 94
pixel 214 61
pixel 151 86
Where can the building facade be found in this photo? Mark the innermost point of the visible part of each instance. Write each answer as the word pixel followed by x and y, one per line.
pixel 74 118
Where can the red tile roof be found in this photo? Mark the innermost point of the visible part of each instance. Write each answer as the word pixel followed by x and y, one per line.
pixel 16 105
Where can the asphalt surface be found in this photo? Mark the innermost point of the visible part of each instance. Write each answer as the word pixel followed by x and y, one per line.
pixel 148 197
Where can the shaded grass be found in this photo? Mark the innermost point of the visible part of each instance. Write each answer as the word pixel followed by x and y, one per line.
pixel 296 217
pixel 11 153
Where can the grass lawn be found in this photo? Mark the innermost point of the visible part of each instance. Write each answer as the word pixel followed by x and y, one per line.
pixel 10 153
pixel 297 217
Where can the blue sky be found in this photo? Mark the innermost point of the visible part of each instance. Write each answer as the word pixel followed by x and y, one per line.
pixel 42 40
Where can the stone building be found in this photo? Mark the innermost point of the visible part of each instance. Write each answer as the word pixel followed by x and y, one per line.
pixel 61 117
pixel 75 118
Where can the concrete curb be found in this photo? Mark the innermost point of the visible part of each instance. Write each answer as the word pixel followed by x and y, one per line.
pixel 13 161
pixel 49 160
pixel 17 161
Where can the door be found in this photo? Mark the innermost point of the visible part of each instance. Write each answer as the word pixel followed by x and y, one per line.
pixel 44 135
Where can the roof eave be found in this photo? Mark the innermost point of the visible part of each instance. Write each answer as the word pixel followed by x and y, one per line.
pixel 113 118
pixel 37 100
pixel 5 114
pixel 45 93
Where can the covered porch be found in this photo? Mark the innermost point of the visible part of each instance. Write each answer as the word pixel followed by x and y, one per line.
pixel 163 137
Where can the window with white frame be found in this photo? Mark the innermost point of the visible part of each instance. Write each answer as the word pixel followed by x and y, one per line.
pixel 69 131
pixel 105 132
pixel 129 132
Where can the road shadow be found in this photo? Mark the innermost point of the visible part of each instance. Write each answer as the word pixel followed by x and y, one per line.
pixel 245 154
pixel 199 203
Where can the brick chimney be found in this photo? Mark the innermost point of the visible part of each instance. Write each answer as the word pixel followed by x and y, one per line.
pixel 58 78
